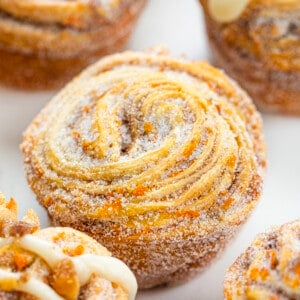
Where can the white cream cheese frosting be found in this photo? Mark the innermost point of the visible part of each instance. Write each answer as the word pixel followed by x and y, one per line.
pixel 110 268
pixel 226 10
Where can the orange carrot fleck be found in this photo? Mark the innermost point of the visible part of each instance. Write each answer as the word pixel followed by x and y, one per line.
pixel 110 208
pixel 148 127
pixel 297 269
pixel 256 273
pixel 223 193
pixel 140 190
pixel 78 250
pixel 231 161
pixel 272 255
pixel 21 261
pixel 175 173
pixel 86 108
pixel 188 213
pixel 226 204
pixel 76 134
pixel 59 236
pixel 11 205
pixel 190 148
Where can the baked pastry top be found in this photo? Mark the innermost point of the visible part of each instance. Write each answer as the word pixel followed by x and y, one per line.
pixel 269 268
pixel 144 147
pixel 268 29
pixel 257 42
pixel 56 262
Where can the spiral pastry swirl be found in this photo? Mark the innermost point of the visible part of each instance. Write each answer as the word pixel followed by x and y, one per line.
pixel 269 268
pixel 145 147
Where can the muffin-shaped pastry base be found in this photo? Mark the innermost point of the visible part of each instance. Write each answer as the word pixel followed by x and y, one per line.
pixel 32 72
pixel 160 159
pixel 37 55
pixel 269 268
pixel 260 49
pixel 56 263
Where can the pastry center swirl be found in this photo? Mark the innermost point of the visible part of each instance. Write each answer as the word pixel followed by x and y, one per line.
pixel 139 141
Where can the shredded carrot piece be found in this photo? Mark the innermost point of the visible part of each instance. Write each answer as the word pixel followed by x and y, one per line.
pixel 226 204
pixel 272 255
pixel 59 236
pixel 190 148
pixel 21 261
pixel 86 108
pixel 76 134
pixel 148 127
pixel 140 190
pixel 297 269
pixel 188 213
pixel 78 250
pixel 256 273
pixel 110 208
pixel 231 161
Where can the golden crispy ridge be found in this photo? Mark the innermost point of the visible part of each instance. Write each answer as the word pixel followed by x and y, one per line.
pixel 143 147
pixel 269 268
pixel 27 275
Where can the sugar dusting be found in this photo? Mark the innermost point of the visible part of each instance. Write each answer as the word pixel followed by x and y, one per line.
pixel 157 158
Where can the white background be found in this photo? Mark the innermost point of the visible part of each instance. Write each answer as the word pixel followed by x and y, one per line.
pixel 179 25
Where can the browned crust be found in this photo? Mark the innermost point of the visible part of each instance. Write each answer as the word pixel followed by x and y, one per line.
pixel 272 90
pixel 40 72
pixel 31 72
pixel 200 249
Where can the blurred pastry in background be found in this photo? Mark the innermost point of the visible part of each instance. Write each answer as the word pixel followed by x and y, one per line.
pixel 257 42
pixel 43 44
pixel 56 263
pixel 269 268
pixel 158 158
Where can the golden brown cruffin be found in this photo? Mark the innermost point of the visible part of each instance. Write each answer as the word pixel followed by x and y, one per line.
pixel 161 159
pixel 56 263
pixel 43 44
pixel 269 269
pixel 257 42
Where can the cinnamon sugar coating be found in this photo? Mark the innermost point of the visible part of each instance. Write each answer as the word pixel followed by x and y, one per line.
pixel 160 159
pixel 44 44
pixel 260 49
pixel 269 269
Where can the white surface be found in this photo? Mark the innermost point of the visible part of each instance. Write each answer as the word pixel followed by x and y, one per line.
pixel 177 24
